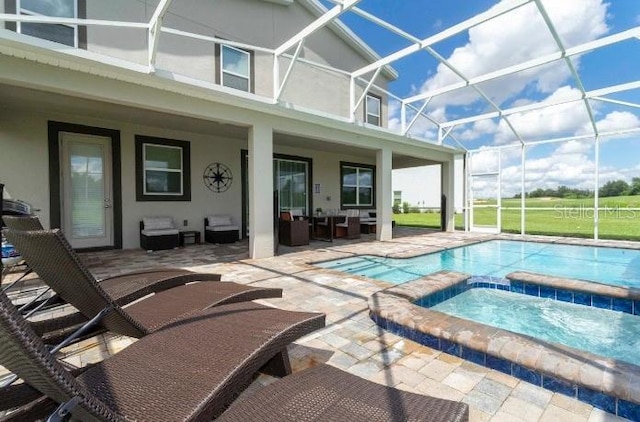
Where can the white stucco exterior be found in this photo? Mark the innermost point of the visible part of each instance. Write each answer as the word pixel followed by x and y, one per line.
pixel 108 87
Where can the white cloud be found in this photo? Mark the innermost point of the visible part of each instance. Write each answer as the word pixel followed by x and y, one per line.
pixel 516 37
pixel 570 163
pixel 551 122
pixel 618 120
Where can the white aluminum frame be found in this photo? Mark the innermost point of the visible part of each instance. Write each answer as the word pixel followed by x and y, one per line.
pixel 445 129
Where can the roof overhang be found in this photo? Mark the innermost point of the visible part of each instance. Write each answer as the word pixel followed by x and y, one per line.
pixel 47 66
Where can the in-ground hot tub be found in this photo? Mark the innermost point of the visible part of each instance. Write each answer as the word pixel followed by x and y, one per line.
pixel 612 383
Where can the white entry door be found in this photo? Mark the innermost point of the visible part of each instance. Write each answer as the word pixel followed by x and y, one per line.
pixel 87 189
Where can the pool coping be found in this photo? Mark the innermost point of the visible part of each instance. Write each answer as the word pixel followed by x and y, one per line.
pixel 605 383
pixel 430 249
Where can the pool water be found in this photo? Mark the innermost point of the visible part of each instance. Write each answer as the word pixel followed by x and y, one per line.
pixel 603 332
pixel 497 258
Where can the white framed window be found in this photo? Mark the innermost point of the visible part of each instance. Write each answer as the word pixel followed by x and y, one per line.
pixel 61 33
pixel 162 169
pixel 373 109
pixel 235 68
pixel 357 185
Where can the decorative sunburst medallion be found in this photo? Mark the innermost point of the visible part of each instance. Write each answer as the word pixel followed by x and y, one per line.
pixel 217 177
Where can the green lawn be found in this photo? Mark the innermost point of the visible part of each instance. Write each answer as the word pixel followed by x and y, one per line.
pixel 561 217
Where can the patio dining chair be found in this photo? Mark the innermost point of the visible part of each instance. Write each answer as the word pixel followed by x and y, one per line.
pixel 57 265
pixel 293 231
pixel 189 371
pixel 349 225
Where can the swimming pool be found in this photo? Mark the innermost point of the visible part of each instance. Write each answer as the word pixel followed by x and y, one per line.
pixel 600 331
pixel 497 258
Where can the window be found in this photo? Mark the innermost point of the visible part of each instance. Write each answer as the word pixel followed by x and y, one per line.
pixel 235 68
pixel 373 110
pixel 63 34
pixel 163 171
pixel 357 185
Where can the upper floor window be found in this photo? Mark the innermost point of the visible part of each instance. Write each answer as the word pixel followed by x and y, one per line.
pixel 63 34
pixel 373 109
pixel 162 169
pixel 235 68
pixel 357 188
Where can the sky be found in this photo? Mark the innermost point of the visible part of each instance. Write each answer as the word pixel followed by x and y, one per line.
pixel 513 38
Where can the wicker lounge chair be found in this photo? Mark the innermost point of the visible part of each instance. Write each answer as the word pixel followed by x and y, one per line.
pixel 324 393
pixel 125 288
pixel 190 371
pixel 51 256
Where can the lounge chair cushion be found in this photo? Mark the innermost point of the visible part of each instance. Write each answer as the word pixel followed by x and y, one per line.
pixel 160 232
pixel 158 223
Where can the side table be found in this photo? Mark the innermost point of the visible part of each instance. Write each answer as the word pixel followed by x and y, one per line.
pixel 189 237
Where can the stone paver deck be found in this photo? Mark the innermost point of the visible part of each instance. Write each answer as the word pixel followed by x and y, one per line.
pixel 351 340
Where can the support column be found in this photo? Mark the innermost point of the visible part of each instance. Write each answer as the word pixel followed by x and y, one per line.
pixel 448 190
pixel 260 191
pixel 384 195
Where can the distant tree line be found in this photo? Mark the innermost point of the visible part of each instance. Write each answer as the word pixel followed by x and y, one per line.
pixel 611 188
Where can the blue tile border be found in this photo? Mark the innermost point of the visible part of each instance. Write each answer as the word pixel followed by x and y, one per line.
pixel 597 399
pixel 551 382
pixel 611 303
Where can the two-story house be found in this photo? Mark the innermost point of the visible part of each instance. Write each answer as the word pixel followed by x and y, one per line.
pixel 112 111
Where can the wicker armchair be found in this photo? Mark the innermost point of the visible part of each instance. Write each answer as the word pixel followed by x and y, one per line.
pixel 349 225
pixel 294 230
pixel 220 229
pixel 157 233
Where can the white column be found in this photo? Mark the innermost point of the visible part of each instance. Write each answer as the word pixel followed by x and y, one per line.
pixel 261 191
pixel 384 195
pixel 448 190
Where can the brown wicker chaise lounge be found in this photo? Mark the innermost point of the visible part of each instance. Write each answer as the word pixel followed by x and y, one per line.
pixel 190 370
pixel 130 286
pixel 55 262
pixel 180 374
pixel 324 393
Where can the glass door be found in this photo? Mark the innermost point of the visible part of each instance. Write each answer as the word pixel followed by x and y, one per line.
pixel 291 181
pixel 87 212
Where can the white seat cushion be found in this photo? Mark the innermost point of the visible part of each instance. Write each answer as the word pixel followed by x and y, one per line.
pixel 219 220
pixel 160 232
pixel 157 223
pixel 222 228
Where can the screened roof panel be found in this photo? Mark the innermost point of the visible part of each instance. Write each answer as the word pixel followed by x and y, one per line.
pixel 516 62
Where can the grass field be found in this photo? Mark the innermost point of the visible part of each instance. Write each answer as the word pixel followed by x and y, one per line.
pixel 618 217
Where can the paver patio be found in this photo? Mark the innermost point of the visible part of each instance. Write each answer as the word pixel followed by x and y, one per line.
pixel 351 340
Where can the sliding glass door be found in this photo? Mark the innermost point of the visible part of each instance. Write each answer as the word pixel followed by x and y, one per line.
pixel 291 179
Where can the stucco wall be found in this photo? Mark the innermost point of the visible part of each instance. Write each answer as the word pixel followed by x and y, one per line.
pixel 24 168
pixel 250 21
pixel 25 173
